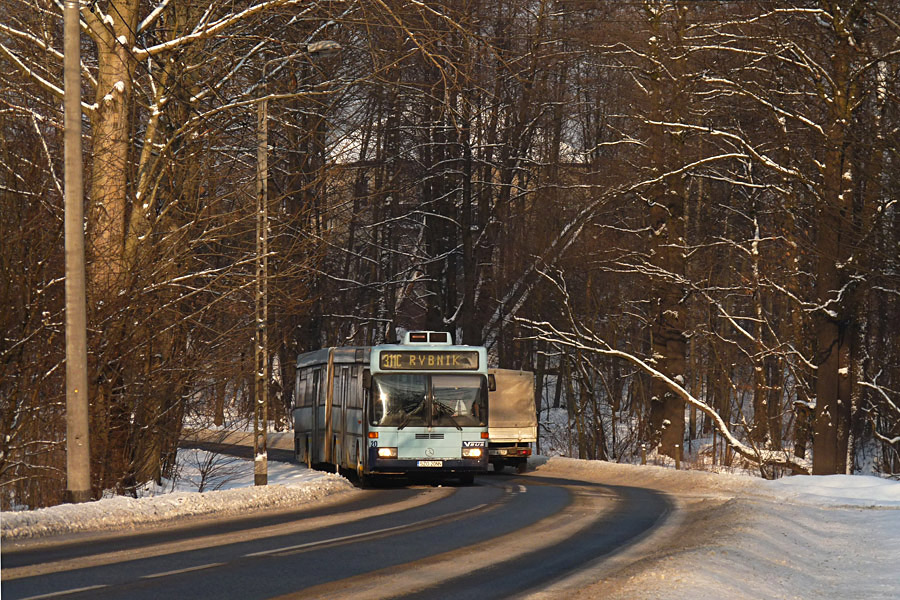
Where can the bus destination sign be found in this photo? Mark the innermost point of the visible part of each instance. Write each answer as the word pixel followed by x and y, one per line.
pixel 423 360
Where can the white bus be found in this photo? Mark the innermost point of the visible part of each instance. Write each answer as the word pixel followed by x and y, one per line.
pixel 420 406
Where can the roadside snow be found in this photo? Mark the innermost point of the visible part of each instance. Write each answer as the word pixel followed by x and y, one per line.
pixel 840 490
pixel 232 492
pixel 823 537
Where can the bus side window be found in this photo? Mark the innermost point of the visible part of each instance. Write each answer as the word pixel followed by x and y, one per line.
pixel 366 399
pixel 323 386
pixel 300 390
pixel 312 389
pixel 336 390
pixel 343 398
pixel 353 399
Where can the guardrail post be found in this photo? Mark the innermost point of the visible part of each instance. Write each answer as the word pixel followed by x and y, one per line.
pixel 643 454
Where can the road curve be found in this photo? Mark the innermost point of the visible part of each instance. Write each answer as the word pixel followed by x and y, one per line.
pixel 504 536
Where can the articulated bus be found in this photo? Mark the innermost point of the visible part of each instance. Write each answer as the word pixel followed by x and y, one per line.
pixel 420 406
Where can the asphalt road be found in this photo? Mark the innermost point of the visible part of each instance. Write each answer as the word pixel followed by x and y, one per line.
pixel 503 536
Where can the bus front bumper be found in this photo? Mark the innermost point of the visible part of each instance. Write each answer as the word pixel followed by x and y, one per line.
pixel 427 465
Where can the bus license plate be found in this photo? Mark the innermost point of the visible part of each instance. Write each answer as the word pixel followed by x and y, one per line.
pixel 429 463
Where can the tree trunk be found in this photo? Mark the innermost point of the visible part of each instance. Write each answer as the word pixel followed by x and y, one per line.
pixel 833 247
pixel 667 219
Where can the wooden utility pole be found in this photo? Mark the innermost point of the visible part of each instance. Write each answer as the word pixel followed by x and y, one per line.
pixel 261 413
pixel 78 455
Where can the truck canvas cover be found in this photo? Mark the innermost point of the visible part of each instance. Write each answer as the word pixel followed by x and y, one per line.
pixel 512 416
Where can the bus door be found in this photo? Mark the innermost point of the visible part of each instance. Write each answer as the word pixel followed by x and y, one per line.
pixel 305 426
pixel 364 399
pixel 321 411
pixel 300 384
pixel 351 439
pixel 341 421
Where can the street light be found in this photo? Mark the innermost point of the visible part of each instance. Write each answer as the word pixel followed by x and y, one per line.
pixel 261 410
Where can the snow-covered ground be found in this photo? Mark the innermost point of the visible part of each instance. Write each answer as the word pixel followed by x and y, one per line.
pixel 835 537
pixel 205 484
pixel 743 538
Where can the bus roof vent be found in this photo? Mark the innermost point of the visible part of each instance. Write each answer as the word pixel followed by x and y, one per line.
pixel 427 337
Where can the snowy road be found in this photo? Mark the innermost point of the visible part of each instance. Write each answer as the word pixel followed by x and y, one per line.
pixel 502 536
pixel 727 536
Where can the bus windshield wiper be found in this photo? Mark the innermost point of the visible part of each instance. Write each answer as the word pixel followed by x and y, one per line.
pixel 449 414
pixel 407 416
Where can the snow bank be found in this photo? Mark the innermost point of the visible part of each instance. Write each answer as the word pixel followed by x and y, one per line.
pixel 650 476
pixel 833 537
pixel 290 485
pixel 836 490
pixel 818 490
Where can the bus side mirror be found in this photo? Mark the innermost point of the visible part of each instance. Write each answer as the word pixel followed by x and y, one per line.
pixel 367 379
pixel 492 383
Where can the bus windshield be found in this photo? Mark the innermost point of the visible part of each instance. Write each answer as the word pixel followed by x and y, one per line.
pixel 459 400
pixel 399 400
pixel 403 400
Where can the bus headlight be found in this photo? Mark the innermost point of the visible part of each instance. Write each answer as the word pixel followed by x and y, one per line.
pixel 387 453
pixel 472 452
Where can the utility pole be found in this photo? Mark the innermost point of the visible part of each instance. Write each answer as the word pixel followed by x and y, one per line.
pixel 78 455
pixel 261 408
pixel 261 412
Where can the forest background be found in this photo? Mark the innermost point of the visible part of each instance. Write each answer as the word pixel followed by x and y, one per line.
pixel 682 216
